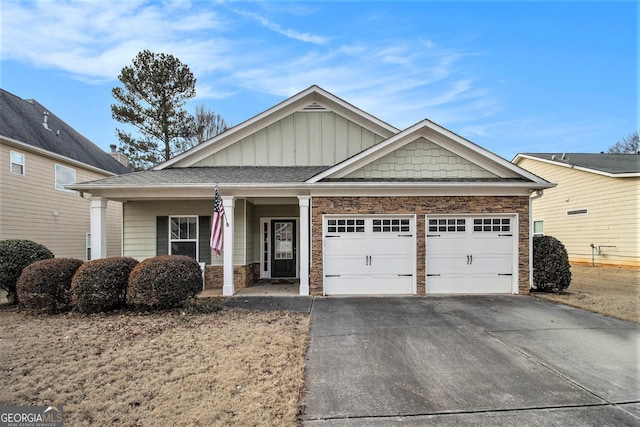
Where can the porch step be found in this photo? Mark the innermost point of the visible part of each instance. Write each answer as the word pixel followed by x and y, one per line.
pixel 275 281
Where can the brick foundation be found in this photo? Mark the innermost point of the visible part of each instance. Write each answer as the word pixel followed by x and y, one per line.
pixel 243 276
pixel 420 206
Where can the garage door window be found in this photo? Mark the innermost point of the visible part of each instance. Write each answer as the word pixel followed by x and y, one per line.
pixel 491 224
pixel 391 225
pixel 447 225
pixel 345 226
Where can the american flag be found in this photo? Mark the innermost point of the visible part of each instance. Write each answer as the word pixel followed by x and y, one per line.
pixel 216 224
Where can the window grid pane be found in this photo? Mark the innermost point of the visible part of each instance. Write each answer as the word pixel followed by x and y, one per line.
pixel 17 163
pixel 491 225
pixel 391 225
pixel 345 225
pixel 183 235
pixel 447 225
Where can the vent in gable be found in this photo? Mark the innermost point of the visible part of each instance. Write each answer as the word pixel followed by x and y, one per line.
pixel 314 107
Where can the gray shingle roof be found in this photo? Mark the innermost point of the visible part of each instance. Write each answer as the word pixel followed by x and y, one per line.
pixel 22 120
pixel 215 174
pixel 608 163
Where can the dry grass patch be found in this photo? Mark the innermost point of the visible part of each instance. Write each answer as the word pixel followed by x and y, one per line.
pixel 611 291
pixel 234 367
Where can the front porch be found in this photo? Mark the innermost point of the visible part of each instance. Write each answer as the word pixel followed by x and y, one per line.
pixel 260 288
pixel 265 237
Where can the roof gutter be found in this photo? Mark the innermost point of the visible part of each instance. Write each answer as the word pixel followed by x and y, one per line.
pixel 373 189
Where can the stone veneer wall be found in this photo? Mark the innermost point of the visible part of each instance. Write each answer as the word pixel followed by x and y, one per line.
pixel 243 276
pixel 420 206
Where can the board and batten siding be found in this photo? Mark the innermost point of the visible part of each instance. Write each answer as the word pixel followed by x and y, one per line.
pixel 300 139
pixel 140 226
pixel 28 203
pixel 612 219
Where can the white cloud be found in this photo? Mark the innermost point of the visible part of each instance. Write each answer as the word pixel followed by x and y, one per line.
pixel 292 34
pixel 400 81
pixel 93 40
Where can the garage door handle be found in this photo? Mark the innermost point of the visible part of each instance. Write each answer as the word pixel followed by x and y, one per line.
pixel 433 235
pixel 505 274
pixel 405 275
pixel 505 235
pixel 405 235
pixel 431 275
pixel 332 275
pixel 469 259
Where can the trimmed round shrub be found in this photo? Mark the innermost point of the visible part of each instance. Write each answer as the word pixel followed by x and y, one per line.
pixel 46 285
pixel 101 284
pixel 551 268
pixel 164 281
pixel 14 256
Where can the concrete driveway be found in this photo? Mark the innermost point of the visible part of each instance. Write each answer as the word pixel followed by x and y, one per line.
pixel 469 360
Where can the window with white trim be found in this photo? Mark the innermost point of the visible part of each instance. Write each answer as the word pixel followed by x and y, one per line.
pixel 17 163
pixel 447 225
pixel 65 176
pixel 538 228
pixel 265 246
pixel 88 246
pixel 183 236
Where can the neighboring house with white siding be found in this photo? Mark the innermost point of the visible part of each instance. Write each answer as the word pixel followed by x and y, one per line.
pixel 318 191
pixel 595 208
pixel 39 156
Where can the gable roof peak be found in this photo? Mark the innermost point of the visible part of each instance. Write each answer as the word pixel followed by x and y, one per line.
pixel 313 98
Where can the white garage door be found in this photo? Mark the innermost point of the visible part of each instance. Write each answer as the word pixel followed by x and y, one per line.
pixel 369 255
pixel 470 255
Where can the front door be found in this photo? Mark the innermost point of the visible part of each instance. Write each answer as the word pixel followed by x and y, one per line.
pixel 283 248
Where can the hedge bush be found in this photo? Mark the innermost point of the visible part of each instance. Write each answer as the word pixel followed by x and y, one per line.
pixel 46 285
pixel 551 268
pixel 101 284
pixel 164 281
pixel 14 256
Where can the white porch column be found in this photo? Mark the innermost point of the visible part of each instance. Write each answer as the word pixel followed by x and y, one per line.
pixel 98 227
pixel 228 287
pixel 303 202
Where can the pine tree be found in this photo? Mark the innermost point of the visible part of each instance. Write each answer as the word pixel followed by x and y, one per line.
pixel 154 91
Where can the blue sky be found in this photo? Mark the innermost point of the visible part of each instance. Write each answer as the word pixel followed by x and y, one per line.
pixel 510 76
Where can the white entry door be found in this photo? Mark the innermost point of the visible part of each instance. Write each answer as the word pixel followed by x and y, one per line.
pixel 470 255
pixel 369 255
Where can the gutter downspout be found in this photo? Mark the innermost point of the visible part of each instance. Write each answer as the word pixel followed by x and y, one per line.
pixel 536 194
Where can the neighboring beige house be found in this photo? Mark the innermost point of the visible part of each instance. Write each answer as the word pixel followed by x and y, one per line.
pixel 40 155
pixel 318 191
pixel 595 208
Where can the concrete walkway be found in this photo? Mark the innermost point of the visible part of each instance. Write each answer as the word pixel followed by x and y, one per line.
pixel 477 360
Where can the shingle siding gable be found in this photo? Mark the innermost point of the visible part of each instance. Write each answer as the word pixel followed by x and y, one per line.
pixel 420 159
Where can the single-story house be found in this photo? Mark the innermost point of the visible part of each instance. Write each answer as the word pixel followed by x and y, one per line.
pixel 595 208
pixel 40 155
pixel 317 190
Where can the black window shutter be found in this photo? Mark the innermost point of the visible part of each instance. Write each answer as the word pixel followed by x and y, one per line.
pixel 162 235
pixel 203 239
